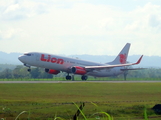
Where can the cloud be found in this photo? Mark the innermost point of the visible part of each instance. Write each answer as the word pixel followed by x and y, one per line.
pixel 9 33
pixel 154 20
pixel 21 9
pixel 77 27
pixel 143 18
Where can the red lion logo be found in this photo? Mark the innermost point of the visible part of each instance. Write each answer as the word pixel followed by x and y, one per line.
pixel 122 58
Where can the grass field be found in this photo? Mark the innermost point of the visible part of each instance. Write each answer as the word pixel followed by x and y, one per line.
pixel 78 78
pixel 123 101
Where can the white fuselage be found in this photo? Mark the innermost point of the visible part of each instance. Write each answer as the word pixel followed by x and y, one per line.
pixel 64 64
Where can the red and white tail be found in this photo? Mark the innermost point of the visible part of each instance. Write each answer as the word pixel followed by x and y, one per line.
pixel 122 56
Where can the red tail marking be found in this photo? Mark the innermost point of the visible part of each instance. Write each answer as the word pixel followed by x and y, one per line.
pixel 122 58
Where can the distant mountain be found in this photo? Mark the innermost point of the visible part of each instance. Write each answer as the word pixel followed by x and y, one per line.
pixel 147 61
pixel 9 58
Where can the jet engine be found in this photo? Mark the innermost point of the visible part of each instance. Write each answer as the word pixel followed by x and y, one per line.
pixel 51 71
pixel 78 70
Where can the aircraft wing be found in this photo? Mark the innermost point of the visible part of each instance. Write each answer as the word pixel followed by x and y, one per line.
pixel 112 66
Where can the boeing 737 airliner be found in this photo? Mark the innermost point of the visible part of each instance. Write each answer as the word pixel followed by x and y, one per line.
pixel 53 64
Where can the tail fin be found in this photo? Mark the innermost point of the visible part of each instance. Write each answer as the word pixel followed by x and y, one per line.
pixel 122 56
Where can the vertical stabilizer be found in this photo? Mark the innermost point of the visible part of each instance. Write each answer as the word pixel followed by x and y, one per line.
pixel 122 56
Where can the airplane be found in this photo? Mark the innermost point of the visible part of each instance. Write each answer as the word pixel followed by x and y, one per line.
pixel 53 64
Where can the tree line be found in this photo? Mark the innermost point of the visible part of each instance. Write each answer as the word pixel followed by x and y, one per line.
pixel 20 72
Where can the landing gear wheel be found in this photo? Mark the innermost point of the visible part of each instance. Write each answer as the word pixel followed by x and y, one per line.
pixel 68 77
pixel 84 77
pixel 29 70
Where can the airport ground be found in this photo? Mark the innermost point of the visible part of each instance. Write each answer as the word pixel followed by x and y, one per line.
pixel 47 99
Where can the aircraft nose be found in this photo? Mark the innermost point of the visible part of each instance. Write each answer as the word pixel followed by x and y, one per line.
pixel 21 58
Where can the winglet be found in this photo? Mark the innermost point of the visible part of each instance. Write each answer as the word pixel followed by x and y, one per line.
pixel 139 60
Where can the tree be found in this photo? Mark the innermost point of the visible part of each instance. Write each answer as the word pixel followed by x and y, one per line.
pixel 20 72
pixel 7 73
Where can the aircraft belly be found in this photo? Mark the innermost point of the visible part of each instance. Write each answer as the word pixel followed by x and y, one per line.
pixel 105 73
pixel 50 65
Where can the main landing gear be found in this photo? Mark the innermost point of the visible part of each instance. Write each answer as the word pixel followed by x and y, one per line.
pixel 125 74
pixel 84 77
pixel 68 77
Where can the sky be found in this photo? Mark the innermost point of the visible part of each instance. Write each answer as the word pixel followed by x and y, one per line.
pixel 76 27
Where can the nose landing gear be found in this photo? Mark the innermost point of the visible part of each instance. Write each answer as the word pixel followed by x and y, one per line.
pixel 29 67
pixel 29 70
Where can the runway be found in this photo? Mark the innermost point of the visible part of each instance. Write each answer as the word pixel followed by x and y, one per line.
pixel 3 82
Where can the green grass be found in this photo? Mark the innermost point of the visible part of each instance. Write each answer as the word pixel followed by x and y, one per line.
pixel 78 78
pixel 43 101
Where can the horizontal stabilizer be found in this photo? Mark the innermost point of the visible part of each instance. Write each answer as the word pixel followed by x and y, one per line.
pixel 132 69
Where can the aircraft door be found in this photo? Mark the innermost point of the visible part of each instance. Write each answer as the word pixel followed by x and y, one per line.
pixel 37 57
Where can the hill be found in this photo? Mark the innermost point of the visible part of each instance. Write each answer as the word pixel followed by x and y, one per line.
pixel 147 61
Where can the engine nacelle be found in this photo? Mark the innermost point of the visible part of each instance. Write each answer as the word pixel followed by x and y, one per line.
pixel 78 70
pixel 51 71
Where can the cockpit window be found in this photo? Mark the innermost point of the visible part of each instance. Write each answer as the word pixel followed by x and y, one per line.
pixel 27 54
